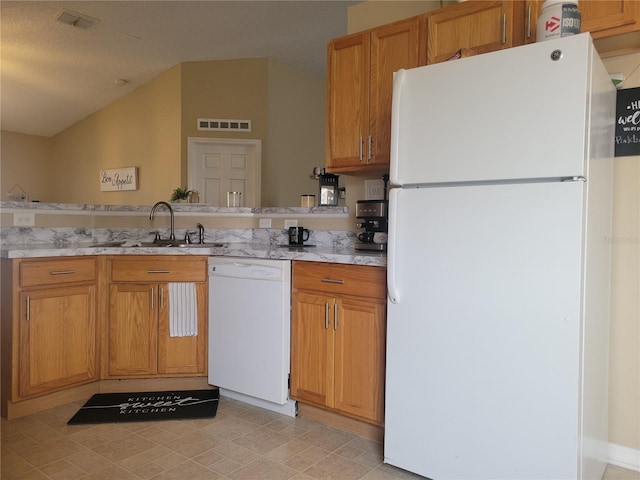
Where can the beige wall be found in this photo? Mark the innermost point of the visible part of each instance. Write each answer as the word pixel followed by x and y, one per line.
pixel 235 89
pixel 624 397
pixel 25 163
pixel 140 130
pixel 286 108
pixel 295 141
pixel 365 15
pixel 149 127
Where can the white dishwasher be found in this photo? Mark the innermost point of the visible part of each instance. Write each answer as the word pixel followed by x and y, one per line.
pixel 249 330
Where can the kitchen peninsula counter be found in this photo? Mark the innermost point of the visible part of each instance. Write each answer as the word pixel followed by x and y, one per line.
pixel 62 230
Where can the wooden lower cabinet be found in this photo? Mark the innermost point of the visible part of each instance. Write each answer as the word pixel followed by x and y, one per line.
pixel 133 329
pixel 49 326
pixel 338 341
pixel 184 355
pixel 68 322
pixel 138 326
pixel 57 339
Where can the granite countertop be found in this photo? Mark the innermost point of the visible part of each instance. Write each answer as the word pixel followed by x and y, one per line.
pixel 244 250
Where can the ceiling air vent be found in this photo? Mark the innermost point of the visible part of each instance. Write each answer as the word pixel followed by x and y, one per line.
pixel 226 125
pixel 76 20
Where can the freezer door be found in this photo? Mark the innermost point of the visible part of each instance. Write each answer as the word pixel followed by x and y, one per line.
pixel 512 114
pixel 484 331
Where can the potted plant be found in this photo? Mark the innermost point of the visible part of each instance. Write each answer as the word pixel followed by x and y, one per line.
pixel 180 194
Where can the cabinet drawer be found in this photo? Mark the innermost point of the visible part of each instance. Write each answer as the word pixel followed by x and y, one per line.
pixel 358 280
pixel 54 272
pixel 159 269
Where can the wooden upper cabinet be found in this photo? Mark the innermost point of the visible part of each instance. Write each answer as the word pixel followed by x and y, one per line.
pixel 359 88
pixel 476 26
pixel 604 18
pixel 392 48
pixel 347 99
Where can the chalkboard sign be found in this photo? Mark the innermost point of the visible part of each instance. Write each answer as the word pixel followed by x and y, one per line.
pixel 627 138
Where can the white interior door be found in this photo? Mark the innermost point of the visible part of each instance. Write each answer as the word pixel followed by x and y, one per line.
pixel 218 166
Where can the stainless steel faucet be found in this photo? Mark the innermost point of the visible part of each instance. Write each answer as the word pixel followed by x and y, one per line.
pixel 172 235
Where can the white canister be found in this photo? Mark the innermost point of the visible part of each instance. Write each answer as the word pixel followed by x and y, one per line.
pixel 234 199
pixel 558 19
pixel 307 200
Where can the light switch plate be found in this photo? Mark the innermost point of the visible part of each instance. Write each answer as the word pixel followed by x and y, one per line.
pixel 24 219
pixel 290 223
pixel 265 223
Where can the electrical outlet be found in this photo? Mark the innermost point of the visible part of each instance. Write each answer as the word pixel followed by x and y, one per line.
pixel 290 223
pixel 265 223
pixel 24 219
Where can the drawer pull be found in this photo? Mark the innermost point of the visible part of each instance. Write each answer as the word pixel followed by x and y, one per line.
pixel 158 271
pixel 332 280
pixel 62 272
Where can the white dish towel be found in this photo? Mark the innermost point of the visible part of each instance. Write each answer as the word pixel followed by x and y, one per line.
pixel 183 310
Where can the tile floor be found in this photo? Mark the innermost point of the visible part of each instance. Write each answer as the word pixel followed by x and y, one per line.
pixel 242 443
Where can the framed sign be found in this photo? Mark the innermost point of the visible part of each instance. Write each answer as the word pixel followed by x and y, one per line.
pixel 119 179
pixel 627 136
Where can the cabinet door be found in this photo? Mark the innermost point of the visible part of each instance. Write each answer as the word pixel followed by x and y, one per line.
pixel 359 358
pixel 393 47
pixel 312 343
pixel 181 354
pixel 347 100
pixel 132 329
pixel 57 338
pixel 478 26
pixel 604 18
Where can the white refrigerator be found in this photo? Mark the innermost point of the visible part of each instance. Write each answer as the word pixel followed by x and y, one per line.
pixel 499 265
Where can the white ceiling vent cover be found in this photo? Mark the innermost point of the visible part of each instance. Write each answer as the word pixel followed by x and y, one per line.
pixel 224 124
pixel 76 20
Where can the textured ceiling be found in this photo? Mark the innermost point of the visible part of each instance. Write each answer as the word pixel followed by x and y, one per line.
pixel 53 74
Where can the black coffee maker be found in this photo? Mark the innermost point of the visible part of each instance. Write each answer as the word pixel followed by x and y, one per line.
pixel 372 216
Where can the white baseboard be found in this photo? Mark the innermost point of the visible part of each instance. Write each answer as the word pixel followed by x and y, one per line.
pixel 624 457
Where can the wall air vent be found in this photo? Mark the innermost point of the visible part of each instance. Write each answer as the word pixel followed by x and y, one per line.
pixel 226 125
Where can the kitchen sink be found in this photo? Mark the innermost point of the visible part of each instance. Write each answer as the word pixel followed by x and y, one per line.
pixel 158 244
pixel 106 244
pixel 198 245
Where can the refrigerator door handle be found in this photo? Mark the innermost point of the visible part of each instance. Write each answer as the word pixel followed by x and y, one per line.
pixel 392 287
pixel 398 79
